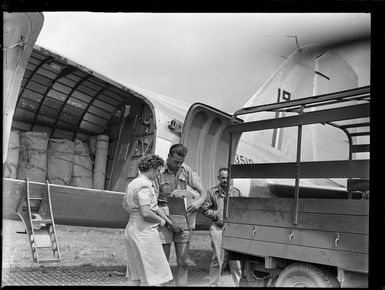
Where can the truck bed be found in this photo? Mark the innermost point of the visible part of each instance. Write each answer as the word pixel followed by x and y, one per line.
pixel 263 227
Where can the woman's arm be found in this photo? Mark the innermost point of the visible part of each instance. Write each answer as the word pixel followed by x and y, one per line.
pixel 173 226
pixel 151 216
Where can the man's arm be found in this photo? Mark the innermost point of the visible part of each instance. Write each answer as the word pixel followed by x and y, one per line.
pixel 194 183
pixel 207 208
pixel 155 185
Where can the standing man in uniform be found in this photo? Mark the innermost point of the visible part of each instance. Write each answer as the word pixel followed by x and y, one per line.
pixel 177 176
pixel 213 209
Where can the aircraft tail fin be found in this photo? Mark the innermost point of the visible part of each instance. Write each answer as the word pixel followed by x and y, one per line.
pixel 310 70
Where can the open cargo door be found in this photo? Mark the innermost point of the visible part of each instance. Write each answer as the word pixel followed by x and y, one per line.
pixel 20 32
pixel 206 136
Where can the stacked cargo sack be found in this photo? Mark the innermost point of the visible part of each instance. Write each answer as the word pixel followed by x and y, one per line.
pixel 82 166
pixel 33 156
pixel 60 161
pixel 12 162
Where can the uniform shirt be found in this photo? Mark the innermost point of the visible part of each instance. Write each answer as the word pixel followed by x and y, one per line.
pixel 140 192
pixel 167 182
pixel 213 205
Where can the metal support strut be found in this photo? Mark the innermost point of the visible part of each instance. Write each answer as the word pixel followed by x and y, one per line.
pixel 298 161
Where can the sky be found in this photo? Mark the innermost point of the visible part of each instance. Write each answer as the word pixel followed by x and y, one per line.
pixel 220 59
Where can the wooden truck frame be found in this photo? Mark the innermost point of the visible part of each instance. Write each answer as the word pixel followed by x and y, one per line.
pixel 303 239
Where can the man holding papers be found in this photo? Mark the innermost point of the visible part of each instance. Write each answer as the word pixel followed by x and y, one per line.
pixel 178 176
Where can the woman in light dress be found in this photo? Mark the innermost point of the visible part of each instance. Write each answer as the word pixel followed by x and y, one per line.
pixel 147 264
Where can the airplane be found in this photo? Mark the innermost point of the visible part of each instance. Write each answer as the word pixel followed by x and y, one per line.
pixel 44 91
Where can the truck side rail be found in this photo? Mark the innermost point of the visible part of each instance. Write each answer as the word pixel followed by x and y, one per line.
pixel 310 169
pixel 321 116
pixel 362 93
pixel 333 109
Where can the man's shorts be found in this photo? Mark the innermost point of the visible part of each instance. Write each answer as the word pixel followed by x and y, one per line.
pixel 167 236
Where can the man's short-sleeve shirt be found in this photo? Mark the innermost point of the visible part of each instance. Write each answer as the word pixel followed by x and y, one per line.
pixel 167 182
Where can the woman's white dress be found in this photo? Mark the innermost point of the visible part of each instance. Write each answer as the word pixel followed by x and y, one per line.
pixel 146 259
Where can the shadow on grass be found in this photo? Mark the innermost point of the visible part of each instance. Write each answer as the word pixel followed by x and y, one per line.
pixel 200 258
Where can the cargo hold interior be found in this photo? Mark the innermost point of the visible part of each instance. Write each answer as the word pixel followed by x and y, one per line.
pixel 68 101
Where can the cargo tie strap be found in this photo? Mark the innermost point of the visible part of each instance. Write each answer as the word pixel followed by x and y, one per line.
pixel 82 153
pixel 29 165
pixel 63 159
pixel 35 151
pixel 54 152
pixel 82 166
pixel 53 178
pixel 81 176
pixel 35 210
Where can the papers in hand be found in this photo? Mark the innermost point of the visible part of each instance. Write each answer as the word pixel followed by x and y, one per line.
pixel 189 197
pixel 178 211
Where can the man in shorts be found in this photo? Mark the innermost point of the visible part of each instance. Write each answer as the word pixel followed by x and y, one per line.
pixel 178 176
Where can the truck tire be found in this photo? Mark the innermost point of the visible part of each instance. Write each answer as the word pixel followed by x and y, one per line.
pixel 305 275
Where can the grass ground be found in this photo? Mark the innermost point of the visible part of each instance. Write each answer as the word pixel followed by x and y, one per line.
pixel 87 248
pixel 84 246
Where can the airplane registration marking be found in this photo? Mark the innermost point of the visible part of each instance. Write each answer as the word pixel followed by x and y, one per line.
pixel 240 159
pixel 276 141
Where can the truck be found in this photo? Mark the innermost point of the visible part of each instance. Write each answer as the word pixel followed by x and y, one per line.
pixel 304 237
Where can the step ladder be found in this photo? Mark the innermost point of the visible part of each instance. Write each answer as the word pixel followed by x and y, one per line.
pixel 35 210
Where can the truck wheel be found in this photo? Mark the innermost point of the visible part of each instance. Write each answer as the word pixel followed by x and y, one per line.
pixel 305 275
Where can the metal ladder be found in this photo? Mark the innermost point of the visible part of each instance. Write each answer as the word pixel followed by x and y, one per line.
pixel 35 210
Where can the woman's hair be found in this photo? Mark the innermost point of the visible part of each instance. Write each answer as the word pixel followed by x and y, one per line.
pixel 149 161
